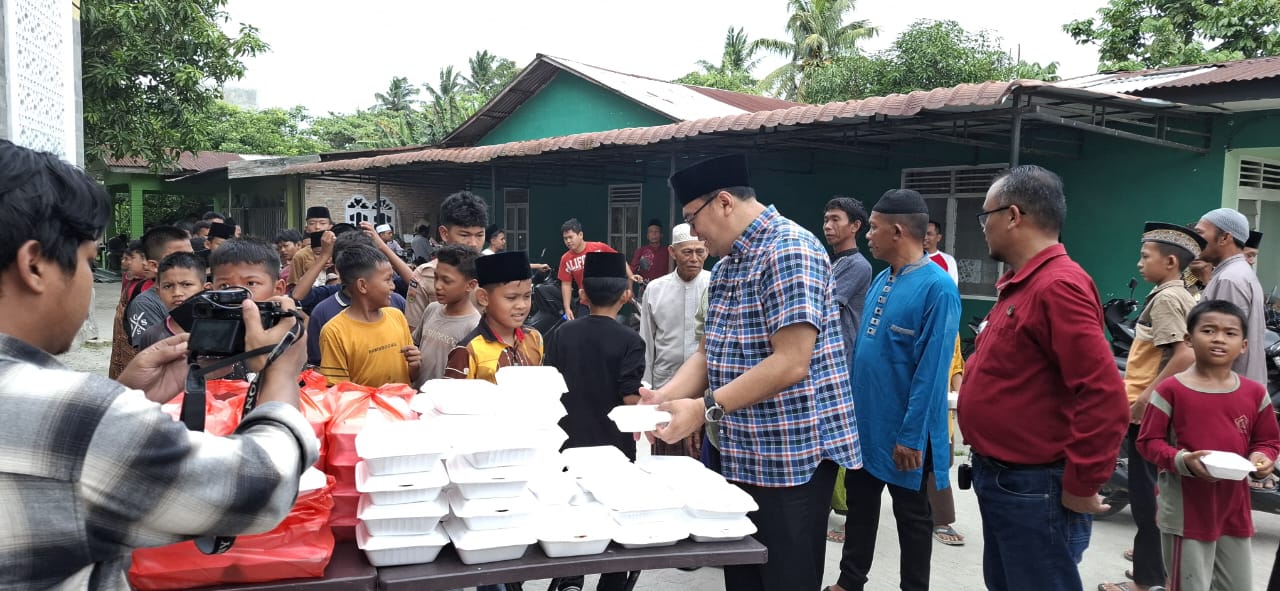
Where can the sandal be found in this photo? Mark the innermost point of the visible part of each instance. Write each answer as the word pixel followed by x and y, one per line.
pixel 1267 483
pixel 1114 587
pixel 943 532
pixel 1128 554
pixel 836 535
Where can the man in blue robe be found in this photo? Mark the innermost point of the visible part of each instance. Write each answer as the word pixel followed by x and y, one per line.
pixel 899 378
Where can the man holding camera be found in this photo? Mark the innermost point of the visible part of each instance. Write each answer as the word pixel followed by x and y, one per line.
pixel 92 468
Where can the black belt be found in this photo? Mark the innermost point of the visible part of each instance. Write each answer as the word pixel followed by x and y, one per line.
pixel 1013 466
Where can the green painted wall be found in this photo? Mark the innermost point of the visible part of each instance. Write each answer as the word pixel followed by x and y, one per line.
pixel 568 105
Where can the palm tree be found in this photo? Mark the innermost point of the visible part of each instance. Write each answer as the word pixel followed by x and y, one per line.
pixel 399 96
pixel 489 73
pixel 819 35
pixel 737 52
pixel 446 107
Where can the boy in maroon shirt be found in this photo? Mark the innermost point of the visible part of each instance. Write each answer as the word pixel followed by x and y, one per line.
pixel 1205 522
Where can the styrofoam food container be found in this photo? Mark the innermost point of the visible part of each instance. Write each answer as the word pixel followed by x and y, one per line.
pixel 399 550
pixel 478 547
pixel 593 457
pixel 500 513
pixel 720 530
pixel 486 449
pixel 467 397
pixel 1227 466
pixel 662 464
pixel 575 531
pixel 400 447
pixel 474 483
pixel 631 494
pixel 724 502
pixel 556 489
pixel 651 535
pixel 403 519
pixel 394 489
pixel 537 380
pixel 638 418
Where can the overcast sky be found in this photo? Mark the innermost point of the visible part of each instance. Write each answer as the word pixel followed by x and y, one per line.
pixel 333 55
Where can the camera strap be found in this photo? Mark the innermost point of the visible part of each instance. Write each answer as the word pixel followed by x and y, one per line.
pixel 193 414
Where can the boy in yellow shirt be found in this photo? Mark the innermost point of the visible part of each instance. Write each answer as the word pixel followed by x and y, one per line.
pixel 369 342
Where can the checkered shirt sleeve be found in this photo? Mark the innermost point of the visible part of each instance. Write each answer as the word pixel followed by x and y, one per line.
pixel 779 276
pixel 91 471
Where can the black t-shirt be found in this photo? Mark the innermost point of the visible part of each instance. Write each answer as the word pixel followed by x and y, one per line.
pixel 602 361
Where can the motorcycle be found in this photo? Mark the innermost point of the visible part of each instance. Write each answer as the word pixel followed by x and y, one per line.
pixel 1116 313
pixel 547 313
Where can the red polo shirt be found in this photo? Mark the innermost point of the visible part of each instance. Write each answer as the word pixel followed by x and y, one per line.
pixel 1041 385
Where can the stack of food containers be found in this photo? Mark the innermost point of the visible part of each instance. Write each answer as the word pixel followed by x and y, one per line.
pixel 715 511
pixel 400 480
pixel 503 437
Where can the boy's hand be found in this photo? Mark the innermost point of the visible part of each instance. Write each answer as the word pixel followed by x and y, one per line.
pixel 413 356
pixel 1263 464
pixel 1138 407
pixel 326 244
pixel 1192 460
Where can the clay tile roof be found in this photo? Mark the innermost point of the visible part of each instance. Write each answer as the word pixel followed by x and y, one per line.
pixel 965 97
pixel 187 162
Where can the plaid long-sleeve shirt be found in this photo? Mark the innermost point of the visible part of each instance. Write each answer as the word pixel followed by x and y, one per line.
pixel 90 470
pixel 778 275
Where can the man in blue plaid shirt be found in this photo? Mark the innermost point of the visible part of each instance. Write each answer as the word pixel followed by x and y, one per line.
pixel 773 368
pixel 93 468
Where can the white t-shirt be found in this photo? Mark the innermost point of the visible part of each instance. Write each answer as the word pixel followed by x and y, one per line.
pixel 947 262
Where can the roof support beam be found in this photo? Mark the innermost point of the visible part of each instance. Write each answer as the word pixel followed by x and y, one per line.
pixel 1038 115
pixel 982 143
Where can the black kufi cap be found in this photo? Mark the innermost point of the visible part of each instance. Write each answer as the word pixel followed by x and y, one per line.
pixel 221 230
pixel 1174 234
pixel 706 176
pixel 512 265
pixel 318 211
pixel 1255 239
pixel 901 201
pixel 605 264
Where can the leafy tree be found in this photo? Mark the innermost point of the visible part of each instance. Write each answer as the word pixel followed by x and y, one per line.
pixel 929 54
pixel 275 132
pixel 734 71
pixel 450 106
pixel 1138 34
pixel 489 74
pixel 819 35
pixel 152 70
pixel 399 96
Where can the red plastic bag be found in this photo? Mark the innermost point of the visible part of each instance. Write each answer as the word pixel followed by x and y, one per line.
pixel 350 405
pixel 300 547
pixel 223 406
pixel 311 379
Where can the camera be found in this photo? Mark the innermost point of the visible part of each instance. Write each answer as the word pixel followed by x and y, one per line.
pixel 216 324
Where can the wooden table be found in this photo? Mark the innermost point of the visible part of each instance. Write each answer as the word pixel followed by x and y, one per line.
pixel 347 571
pixel 447 572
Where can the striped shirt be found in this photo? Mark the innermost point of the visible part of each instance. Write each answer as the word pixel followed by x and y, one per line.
pixel 91 470
pixel 777 275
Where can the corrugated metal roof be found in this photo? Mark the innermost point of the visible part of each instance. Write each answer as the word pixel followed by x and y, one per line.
pixel 965 97
pixel 678 102
pixel 1179 76
pixel 187 162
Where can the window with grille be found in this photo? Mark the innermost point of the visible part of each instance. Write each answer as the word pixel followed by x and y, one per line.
pixel 516 218
pixel 624 218
pixel 954 195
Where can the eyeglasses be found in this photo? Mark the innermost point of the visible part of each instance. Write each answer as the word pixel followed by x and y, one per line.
pixel 689 218
pixel 982 217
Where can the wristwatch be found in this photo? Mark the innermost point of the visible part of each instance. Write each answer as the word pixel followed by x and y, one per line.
pixel 715 412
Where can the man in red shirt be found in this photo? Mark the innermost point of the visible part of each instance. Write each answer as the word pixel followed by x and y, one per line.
pixel 1042 406
pixel 570 273
pixel 652 260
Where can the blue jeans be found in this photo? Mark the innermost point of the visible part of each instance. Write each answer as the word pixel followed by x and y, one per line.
pixel 1030 540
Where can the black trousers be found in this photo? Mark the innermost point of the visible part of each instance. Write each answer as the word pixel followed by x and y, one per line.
pixel 1148 562
pixel 792 524
pixel 914 515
